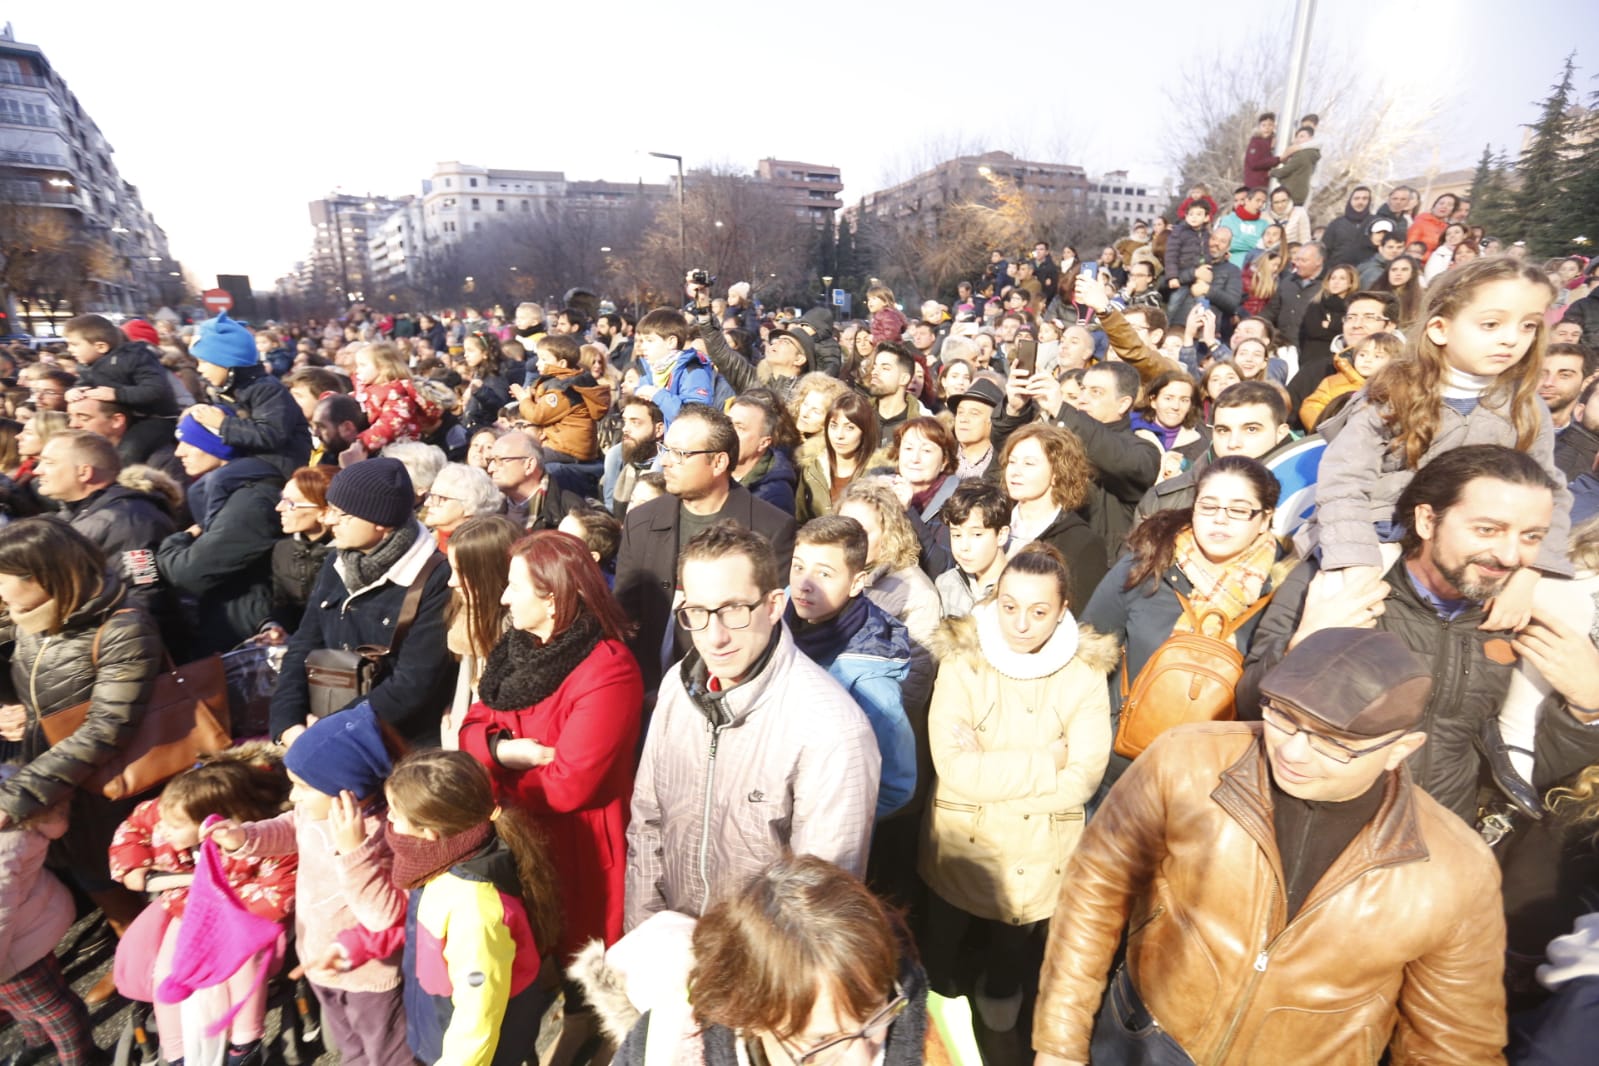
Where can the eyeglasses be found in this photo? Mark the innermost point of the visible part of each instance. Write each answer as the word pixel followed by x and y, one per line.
pixel 875 1030
pixel 1374 318
pixel 496 460
pixel 333 516
pixel 1211 508
pixel 679 454
pixel 287 504
pixel 1322 744
pixel 731 615
pixel 436 497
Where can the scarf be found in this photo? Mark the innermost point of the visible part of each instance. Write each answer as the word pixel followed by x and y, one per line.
pixel 367 567
pixel 37 620
pixel 523 671
pixel 921 499
pixel 1051 658
pixel 823 642
pixel 1245 213
pixel 1230 588
pixel 418 861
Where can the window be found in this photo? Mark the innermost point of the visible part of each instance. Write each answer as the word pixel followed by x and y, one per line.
pixel 476 206
pixel 24 112
pixel 473 181
pixel 499 205
pixel 449 183
pixel 527 205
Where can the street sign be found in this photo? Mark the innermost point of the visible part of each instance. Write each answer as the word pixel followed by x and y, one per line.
pixel 841 300
pixel 217 300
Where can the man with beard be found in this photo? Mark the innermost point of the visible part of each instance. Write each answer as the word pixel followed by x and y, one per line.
pixel 1471 518
pixel 611 333
pixel 1346 238
pixel 1565 371
pixel 336 422
pixel 638 452
pixel 892 370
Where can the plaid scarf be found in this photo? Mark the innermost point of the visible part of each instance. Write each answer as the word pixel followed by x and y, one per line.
pixel 1228 588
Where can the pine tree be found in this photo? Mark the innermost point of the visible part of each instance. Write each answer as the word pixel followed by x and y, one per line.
pixel 1577 208
pixel 1543 166
pixel 1490 197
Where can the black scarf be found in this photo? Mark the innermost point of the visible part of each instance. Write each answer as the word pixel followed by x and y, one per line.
pixel 825 641
pixel 522 671
pixel 369 566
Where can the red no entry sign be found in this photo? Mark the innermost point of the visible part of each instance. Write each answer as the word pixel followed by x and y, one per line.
pixel 217 300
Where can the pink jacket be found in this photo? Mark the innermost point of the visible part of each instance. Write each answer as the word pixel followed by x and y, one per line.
pixel 35 908
pixel 336 891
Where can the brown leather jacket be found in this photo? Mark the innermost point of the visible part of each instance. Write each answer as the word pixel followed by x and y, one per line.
pixel 1402 939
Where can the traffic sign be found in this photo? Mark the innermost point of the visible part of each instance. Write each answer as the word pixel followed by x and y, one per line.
pixel 217 300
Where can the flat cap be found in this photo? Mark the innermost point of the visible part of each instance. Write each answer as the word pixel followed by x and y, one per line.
pixel 1359 682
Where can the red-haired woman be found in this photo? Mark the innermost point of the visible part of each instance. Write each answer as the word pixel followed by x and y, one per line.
pixel 557 723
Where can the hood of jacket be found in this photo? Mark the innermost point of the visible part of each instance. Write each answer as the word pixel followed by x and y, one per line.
pixel 962 638
pixel 211 491
pixel 1359 218
pixel 775 465
pixel 114 494
pixel 883 637
pixel 595 398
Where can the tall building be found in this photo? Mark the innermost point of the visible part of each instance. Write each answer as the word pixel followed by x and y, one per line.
pixel 810 189
pixel 973 178
pixel 54 158
pixel 1124 200
pixel 340 263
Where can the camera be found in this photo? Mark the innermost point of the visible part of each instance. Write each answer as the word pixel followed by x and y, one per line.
pixel 702 277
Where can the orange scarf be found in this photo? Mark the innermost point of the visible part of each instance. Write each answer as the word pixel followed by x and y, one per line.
pixel 1222 591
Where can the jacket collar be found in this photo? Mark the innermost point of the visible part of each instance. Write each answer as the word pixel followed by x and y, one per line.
pixel 408 566
pixel 729 707
pixel 1393 836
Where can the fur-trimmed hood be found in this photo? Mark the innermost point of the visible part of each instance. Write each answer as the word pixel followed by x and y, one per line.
pixel 957 638
pixel 147 479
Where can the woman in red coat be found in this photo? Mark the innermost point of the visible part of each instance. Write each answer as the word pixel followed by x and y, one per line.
pixel 557 724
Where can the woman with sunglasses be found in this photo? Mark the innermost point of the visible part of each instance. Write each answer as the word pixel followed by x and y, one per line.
pixel 802 967
pixel 1196 569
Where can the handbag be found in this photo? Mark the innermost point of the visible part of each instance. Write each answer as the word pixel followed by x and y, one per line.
pixel 1189 678
pixel 252 676
pixel 185 717
pixel 336 677
pixel 1126 1035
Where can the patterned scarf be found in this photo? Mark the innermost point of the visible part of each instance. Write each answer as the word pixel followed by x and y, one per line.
pixel 1230 588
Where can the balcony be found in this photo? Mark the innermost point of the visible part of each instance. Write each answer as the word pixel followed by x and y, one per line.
pixel 28 81
pixel 33 159
pixel 27 192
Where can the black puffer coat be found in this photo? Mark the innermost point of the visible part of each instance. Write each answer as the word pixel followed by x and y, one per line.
pixel 295 565
pixel 266 421
pixel 128 526
pixel 51 672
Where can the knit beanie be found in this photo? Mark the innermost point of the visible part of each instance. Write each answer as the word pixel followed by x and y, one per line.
pixel 342 753
pixel 139 330
pixel 192 433
pixel 223 342
pixel 375 490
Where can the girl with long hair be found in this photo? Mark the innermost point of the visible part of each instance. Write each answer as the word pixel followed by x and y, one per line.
pixel 848 444
pixel 480 559
pixel 557 724
pixel 487 389
pixel 1403 279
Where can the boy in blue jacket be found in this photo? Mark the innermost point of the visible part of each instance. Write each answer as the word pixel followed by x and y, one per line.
pixel 679 374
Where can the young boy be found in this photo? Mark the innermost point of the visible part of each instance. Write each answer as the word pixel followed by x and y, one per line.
pixel 601 533
pixel 978 517
pixel 566 404
pixel 859 644
pixel 679 374
pixel 127 373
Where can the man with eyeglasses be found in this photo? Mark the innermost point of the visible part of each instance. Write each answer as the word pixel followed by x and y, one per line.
pixel 532 498
pixel 753 750
pixel 1365 313
pixel 1290 894
pixel 698 456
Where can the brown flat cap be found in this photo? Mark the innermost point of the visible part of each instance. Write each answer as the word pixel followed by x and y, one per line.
pixel 1359 682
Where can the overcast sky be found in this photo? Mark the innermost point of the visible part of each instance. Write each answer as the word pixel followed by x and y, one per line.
pixel 229 117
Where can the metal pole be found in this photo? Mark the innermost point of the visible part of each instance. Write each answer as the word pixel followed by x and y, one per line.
pixel 682 238
pixel 1298 54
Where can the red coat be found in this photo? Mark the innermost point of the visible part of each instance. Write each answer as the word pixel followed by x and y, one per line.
pixel 581 799
pixel 1429 229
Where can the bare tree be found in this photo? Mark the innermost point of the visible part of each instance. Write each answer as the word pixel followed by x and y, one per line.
pixel 46 263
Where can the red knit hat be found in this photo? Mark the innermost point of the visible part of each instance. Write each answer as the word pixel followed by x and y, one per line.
pixel 139 330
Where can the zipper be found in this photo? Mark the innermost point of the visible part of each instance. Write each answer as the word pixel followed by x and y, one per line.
pixel 1249 989
pixel 33 681
pixel 705 816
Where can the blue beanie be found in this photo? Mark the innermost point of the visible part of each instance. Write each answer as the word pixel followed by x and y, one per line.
pixel 223 342
pixel 192 433
pixel 343 752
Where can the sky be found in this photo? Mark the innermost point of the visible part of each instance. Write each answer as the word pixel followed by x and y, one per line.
pixel 231 117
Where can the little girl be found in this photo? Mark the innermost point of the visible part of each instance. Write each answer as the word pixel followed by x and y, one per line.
pixel 35 913
pixel 1470 375
pixel 1351 369
pixel 337 831
pixel 154 850
pixel 395 410
pixel 483 906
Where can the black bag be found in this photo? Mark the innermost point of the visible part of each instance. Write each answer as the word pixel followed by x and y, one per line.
pixel 336 678
pixel 1126 1035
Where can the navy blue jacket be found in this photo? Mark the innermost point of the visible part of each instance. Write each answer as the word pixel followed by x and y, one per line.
pixel 266 421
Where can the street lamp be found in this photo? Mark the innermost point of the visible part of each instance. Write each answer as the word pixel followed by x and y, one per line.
pixel 605 248
pixel 986 172
pixel 682 238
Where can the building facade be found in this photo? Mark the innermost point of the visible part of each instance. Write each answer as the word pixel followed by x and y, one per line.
pixel 810 190
pixel 57 176
pixel 976 179
pixel 1125 201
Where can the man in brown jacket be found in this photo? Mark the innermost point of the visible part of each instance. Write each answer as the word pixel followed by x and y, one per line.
pixel 1289 894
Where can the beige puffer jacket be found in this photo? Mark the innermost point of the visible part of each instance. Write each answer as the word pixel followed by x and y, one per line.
pixel 1004 820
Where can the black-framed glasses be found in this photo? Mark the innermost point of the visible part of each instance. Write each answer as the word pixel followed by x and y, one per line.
pixel 731 615
pixel 1236 511
pixel 875 1030
pixel 1320 743
pixel 679 454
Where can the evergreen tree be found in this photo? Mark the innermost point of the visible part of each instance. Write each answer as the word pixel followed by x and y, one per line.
pixel 1491 197
pixel 1544 166
pixel 1577 209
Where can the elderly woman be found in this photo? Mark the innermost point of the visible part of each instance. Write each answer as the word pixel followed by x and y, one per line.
pixel 557 724
pixel 74 642
pixel 459 492
pixel 802 965
pixel 1020 735
pixel 925 459
pixel 1047 475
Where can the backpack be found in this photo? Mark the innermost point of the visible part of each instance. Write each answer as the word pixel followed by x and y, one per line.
pixel 1189 678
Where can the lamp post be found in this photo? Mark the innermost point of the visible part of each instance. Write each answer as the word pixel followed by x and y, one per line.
pixel 682 238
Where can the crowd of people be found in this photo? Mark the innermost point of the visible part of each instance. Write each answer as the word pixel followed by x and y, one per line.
pixel 765 684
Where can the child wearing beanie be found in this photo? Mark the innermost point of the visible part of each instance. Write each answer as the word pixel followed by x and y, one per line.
pixel 252 411
pixel 338 829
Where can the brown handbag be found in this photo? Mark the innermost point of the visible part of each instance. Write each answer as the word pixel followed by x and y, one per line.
pixel 1189 678
pixel 335 678
pixel 186 717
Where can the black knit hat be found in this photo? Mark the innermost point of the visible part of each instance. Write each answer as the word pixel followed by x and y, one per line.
pixel 376 490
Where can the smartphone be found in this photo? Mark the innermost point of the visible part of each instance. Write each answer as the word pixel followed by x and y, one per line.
pixel 1089 270
pixel 1203 303
pixel 1024 354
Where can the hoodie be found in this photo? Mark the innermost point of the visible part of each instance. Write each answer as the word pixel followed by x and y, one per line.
pixel 1346 238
